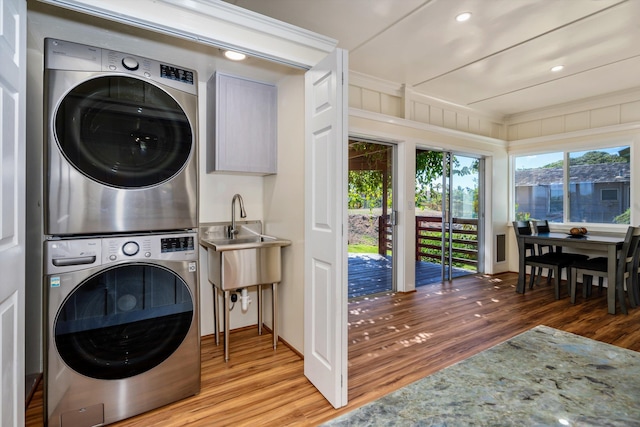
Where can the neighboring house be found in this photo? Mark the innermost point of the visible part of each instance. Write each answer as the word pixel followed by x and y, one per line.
pixel 598 193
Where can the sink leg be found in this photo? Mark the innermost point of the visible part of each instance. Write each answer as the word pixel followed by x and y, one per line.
pixel 216 315
pixel 259 297
pixel 274 313
pixel 227 301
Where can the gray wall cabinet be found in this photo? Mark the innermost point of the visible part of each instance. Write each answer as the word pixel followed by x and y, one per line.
pixel 242 127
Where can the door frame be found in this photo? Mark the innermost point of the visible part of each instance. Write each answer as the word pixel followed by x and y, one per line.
pixel 13 85
pixel 394 203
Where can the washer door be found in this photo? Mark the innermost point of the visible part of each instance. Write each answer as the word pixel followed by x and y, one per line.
pixel 123 321
pixel 123 132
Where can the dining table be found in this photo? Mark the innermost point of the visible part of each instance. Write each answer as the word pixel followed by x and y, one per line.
pixel 609 243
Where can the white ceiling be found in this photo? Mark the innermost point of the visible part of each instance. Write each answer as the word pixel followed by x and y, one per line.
pixel 498 62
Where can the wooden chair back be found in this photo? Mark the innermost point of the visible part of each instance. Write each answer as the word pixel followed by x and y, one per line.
pixel 541 226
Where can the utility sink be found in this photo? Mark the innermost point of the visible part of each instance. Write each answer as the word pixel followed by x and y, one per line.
pixel 246 242
pixel 250 259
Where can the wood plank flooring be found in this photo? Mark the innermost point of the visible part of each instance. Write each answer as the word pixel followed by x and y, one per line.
pixel 393 340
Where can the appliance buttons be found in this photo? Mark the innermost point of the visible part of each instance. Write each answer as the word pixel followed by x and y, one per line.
pixel 130 248
pixel 130 63
pixel 112 257
pixel 147 254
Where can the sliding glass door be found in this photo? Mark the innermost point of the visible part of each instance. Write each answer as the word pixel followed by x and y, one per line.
pixel 448 206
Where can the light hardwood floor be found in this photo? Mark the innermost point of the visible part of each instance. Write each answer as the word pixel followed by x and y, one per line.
pixel 393 340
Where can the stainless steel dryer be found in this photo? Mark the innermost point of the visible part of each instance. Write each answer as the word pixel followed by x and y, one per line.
pixel 122 331
pixel 120 142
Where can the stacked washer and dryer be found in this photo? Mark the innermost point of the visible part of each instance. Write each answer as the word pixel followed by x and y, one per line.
pixel 120 252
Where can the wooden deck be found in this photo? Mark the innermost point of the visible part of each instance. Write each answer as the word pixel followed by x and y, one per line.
pixel 371 274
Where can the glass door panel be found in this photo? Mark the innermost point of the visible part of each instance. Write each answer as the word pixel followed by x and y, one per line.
pixel 447 211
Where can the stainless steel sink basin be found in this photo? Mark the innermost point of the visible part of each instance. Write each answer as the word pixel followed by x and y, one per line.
pixel 250 259
pixel 243 242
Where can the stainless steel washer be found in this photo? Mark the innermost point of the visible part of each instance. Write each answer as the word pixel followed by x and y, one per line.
pixel 122 331
pixel 120 142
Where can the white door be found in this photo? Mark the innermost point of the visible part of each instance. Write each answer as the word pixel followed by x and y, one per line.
pixel 325 272
pixel 13 93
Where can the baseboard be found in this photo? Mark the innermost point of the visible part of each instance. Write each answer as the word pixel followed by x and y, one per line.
pixel 30 385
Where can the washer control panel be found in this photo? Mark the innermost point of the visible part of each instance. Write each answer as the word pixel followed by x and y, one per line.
pixel 63 255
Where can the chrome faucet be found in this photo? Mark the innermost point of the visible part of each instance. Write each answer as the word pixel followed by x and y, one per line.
pixel 232 229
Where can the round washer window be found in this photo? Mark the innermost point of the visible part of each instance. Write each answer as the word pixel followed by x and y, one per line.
pixel 123 321
pixel 123 132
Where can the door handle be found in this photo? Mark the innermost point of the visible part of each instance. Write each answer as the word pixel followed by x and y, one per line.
pixel 393 218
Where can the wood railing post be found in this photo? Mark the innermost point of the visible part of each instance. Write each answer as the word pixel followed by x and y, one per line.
pixel 382 235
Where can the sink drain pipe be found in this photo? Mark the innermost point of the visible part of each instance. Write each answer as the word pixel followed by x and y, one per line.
pixel 244 299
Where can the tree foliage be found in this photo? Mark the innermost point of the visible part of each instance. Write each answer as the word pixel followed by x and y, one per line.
pixel 589 158
pixel 366 182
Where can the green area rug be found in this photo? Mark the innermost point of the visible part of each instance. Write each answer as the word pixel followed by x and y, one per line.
pixel 542 377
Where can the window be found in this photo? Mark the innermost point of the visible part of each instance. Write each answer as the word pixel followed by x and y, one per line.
pixel 609 194
pixel 583 186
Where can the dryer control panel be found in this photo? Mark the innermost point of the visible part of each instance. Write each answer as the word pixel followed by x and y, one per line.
pixel 65 55
pixel 149 247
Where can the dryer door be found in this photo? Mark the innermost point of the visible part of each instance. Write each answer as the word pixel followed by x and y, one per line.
pixel 123 132
pixel 123 321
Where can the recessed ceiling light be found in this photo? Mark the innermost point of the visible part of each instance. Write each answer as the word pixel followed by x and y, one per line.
pixel 557 68
pixel 465 16
pixel 234 56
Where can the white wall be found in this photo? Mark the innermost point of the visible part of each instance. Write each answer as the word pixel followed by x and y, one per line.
pixel 265 198
pixel 606 121
pixel 379 96
pixel 284 210
pixel 390 111
pixel 277 200
pixel 410 135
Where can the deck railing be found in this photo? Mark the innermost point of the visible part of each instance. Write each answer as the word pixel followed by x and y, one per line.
pixel 429 239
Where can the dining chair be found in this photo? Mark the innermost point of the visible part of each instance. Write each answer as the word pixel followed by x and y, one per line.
pixel 633 284
pixel 626 271
pixel 553 261
pixel 541 227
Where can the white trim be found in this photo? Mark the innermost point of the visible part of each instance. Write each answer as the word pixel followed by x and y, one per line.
pixel 497 118
pixel 355 112
pixel 409 94
pixel 587 104
pixel 374 83
pixel 214 23
pixel 576 134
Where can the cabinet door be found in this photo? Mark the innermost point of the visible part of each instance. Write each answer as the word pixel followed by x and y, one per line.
pixel 243 134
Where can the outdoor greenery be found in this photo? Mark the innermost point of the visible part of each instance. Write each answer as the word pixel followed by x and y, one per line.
pixel 434 238
pixel 366 186
pixel 367 180
pixel 363 249
pixel 429 171
pixel 589 158
pixel 624 217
